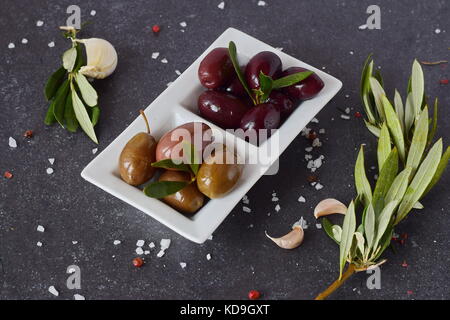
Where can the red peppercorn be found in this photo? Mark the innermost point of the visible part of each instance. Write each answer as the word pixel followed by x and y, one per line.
pixel 254 295
pixel 404 264
pixel 312 135
pixel 138 262
pixel 28 134
pixel 358 114
pixel 8 175
pixel 444 81
pixel 312 178
pixel 409 292
pixel 404 236
pixel 156 28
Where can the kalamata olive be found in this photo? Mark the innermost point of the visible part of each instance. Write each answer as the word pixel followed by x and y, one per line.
pixel 170 147
pixel 136 158
pixel 267 62
pixel 219 173
pixel 262 116
pixel 236 88
pixel 189 199
pixel 223 109
pixel 282 102
pixel 216 69
pixel 305 89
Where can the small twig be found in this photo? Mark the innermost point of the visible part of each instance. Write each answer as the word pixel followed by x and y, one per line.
pixel 335 285
pixel 433 63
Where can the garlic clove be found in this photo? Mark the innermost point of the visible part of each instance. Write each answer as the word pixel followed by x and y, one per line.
pixel 101 58
pixel 329 206
pixel 291 240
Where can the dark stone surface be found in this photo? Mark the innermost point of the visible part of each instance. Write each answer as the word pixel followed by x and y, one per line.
pixel 319 32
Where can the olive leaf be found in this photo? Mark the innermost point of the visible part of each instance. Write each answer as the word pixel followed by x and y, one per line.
pixel 420 181
pixel 378 93
pixel 87 91
pixel 362 184
pixel 417 86
pixel 83 116
pixel 434 122
pixel 409 114
pixel 169 164
pixel 399 109
pixel 70 119
pixel 365 89
pixel 330 230
pixel 191 156
pixel 384 146
pixel 291 79
pixel 384 220
pixel 439 171
pixel 348 229
pixel 373 129
pixel 50 116
pixel 384 242
pixel 265 88
pixel 54 82
pixel 69 58
pixel 394 127
pixel 163 189
pixel 385 180
pixel 94 114
pixel 369 225
pixel 419 141
pixel 233 56
pixel 398 186
pixel 60 102
pixel 80 59
pixel 360 242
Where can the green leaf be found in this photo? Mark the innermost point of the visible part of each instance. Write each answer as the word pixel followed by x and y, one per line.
pixel 384 182
pixel 60 102
pixel 362 183
pixel 69 58
pixel 87 91
pixel 169 164
pixel 378 94
pixel 419 141
pixel 399 186
pixel 265 87
pixel 54 82
pixel 434 122
pixel 83 116
pixel 163 189
pixel 291 79
pixel 94 114
pixel 360 242
pixel 80 59
pixel 384 146
pixel 337 233
pixel 418 206
pixel 409 114
pixel 328 227
pixel 384 220
pixel 365 89
pixel 394 127
pixel 399 109
pixel 69 115
pixel 373 129
pixel 233 55
pixel 369 225
pixel 439 171
pixel 50 116
pixel 348 229
pixel 384 242
pixel 420 181
pixel 417 86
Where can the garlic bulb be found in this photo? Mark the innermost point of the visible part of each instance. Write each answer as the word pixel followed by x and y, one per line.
pixel 101 58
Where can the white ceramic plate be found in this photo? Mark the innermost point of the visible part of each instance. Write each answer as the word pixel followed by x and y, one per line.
pixel 178 105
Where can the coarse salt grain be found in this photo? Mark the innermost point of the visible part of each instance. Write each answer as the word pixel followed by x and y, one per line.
pixel 155 55
pixel 49 170
pixel 151 245
pixel 11 46
pixel 40 228
pixel 301 199
pixel 24 41
pixel 39 23
pixel 160 253
pixel 245 200
pixel 308 149
pixel 183 265
pixel 93 12
pixel 51 160
pixel 94 151
pixel 146 252
pixel 315 120
pixel 275 199
pixel 178 72
pixel 277 208
pixel 221 5
pixel 208 256
pixel 437 31
pixel 347 110
pixel 183 24
pixel 53 291
pixel 318 226
pixel 74 242
pixel 165 244
pixel 261 3
pixel 362 27
pixel 316 143
pixel 12 142
pixel 140 243
pixel 77 296
pixel 302 223
pixel 51 44
pixel 39 244
pixel 210 237
pixel 345 117
pixel 164 60
pixel 246 209
pixel 318 186
pixel 117 242
pixel 139 251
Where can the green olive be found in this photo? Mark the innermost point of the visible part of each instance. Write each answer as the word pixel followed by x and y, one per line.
pixel 188 200
pixel 217 176
pixel 136 158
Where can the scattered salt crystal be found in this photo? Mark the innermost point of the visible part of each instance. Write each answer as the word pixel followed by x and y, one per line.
pixel 151 245
pixel 345 117
pixel 308 157
pixel 315 120
pixel 77 296
pixel 12 142
pixel 261 3
pixel 302 223
pixel 169 83
pixel 140 243
pixel 139 251
pixel 40 228
pixel 347 110
pixel 51 44
pixel 39 23
pixel 177 72
pixel 362 27
pixel 308 149
pixel 94 151
pixel 147 252
pixel 117 242
pixel 302 199
pixel 164 60
pixel 24 41
pixel 275 199
pixel 221 5
pixel 11 46
pixel 53 291
pixel 49 170
pixel 245 200
pixel 277 208
pixel 246 209
pixel 210 237
pixel 39 244
pixel 318 186
pixel 437 31
pixel 160 253
pixel 318 162
pixel 51 160
pixel 183 24
pixel 208 256
pixel 250 225
pixel 279 48
pixel 316 143
pixel 155 55
pixel 318 226
pixel 93 12
pixel 74 242
pixel 183 265
pixel 165 244
pixel 347 96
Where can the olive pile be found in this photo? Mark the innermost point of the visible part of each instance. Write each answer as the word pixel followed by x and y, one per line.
pixel 230 101
pixel 183 184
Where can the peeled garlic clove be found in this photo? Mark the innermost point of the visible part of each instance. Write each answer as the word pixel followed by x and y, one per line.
pixel 291 240
pixel 329 206
pixel 101 58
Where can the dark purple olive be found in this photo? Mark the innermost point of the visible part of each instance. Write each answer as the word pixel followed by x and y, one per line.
pixel 236 88
pixel 267 62
pixel 282 102
pixel 216 69
pixel 262 116
pixel 305 89
pixel 220 108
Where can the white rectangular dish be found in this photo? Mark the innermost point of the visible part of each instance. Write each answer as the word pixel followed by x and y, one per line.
pixel 178 105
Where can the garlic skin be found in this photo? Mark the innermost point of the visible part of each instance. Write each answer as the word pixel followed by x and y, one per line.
pixel 291 240
pixel 101 58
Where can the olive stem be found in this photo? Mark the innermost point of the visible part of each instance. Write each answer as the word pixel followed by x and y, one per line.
pixel 335 285
pixel 146 120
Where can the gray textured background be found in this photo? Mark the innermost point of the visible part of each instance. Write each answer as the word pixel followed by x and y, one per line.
pixel 319 32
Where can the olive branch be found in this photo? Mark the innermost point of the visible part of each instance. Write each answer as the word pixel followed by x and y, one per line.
pixel 409 164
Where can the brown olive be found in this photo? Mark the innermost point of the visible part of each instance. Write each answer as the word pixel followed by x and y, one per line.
pixel 188 200
pixel 219 173
pixel 216 69
pixel 137 156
